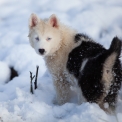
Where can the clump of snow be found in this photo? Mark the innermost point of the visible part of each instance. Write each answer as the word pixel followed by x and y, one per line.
pixel 102 20
pixel 4 73
pixel 106 105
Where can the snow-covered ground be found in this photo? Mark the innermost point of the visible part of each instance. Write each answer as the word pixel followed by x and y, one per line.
pixel 100 19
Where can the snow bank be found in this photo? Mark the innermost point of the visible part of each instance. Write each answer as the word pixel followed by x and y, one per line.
pixel 4 73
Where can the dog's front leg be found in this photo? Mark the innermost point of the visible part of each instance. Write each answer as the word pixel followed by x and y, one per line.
pixel 62 91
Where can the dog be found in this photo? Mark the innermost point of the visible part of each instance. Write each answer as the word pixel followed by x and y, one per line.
pixel 74 59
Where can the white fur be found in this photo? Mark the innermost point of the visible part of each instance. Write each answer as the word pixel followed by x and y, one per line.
pixel 57 50
pixel 83 64
pixel 107 78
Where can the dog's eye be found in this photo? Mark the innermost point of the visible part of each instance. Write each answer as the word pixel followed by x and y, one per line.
pixel 37 38
pixel 48 39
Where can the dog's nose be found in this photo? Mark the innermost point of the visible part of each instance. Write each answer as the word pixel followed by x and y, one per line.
pixel 41 51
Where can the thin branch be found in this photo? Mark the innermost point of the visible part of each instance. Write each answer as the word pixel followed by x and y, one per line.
pixel 35 83
pixel 31 85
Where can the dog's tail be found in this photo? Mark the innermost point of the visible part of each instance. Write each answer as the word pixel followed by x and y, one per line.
pixel 113 52
pixel 116 46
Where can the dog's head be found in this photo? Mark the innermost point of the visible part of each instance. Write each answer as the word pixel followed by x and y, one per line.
pixel 44 36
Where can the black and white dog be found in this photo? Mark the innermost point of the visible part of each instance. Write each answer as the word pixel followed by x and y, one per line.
pixel 75 60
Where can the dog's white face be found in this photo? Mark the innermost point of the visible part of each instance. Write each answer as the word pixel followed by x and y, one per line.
pixel 44 36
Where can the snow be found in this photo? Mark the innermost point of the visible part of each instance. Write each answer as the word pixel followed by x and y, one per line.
pixel 106 105
pixel 4 73
pixel 101 20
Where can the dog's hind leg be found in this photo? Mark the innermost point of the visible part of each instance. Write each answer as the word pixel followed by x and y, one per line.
pixel 113 54
pixel 112 73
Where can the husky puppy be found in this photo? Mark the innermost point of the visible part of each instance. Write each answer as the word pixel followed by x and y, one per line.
pixel 75 60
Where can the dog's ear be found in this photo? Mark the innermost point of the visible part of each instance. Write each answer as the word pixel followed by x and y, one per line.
pixel 33 20
pixel 53 21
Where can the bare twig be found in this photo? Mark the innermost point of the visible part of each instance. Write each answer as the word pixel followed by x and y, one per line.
pixel 35 83
pixel 31 85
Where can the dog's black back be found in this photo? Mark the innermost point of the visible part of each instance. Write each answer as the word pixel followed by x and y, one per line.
pixel 87 49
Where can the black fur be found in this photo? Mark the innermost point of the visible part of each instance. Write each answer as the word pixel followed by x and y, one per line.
pixel 90 77
pixel 87 49
pixel 78 37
